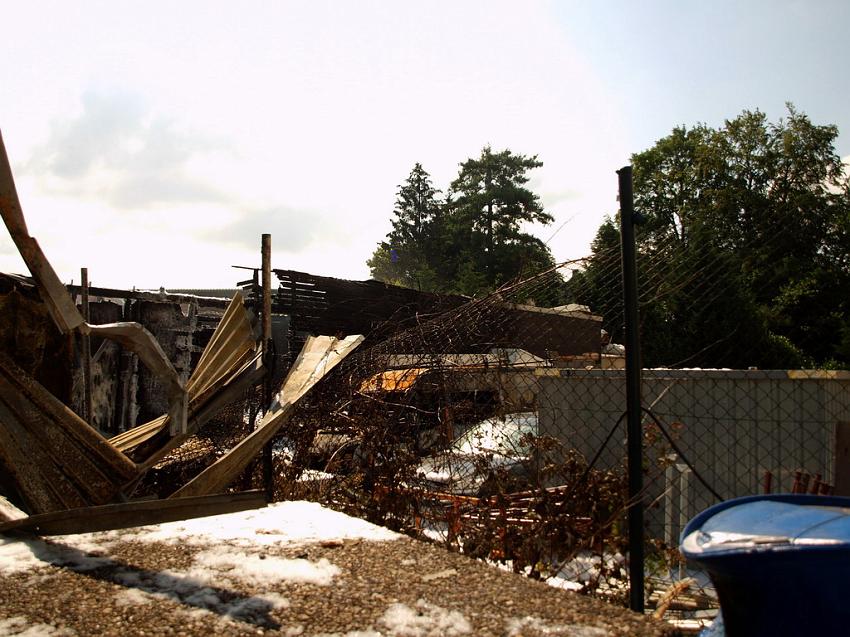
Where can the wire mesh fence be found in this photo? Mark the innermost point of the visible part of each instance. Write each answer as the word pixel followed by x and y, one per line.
pixel 442 429
pixel 496 426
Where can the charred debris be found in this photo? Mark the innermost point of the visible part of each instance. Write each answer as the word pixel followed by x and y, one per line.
pixel 387 402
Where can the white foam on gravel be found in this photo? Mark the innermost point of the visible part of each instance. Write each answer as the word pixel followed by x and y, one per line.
pixel 19 555
pixel 133 597
pixel 294 522
pixel 20 627
pixel 282 524
pixel 520 626
pixel 425 620
pixel 203 589
pixel 260 570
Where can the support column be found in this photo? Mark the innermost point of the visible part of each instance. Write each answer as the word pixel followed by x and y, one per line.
pixel 634 416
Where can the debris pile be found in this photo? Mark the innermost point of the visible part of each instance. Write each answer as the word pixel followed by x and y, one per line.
pixel 66 475
pixel 423 412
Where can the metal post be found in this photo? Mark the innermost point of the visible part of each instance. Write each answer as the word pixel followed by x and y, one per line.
pixel 684 499
pixel 633 399
pixel 669 495
pixel 88 407
pixel 268 468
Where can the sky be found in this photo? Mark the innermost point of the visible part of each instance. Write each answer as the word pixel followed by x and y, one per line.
pixel 154 143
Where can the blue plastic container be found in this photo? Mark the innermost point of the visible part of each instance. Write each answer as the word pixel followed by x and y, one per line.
pixel 780 563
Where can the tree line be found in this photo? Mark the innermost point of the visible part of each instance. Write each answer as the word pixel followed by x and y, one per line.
pixel 468 240
pixel 743 256
pixel 744 253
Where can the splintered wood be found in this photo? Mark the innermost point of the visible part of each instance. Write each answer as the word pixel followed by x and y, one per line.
pixel 61 467
pixel 56 459
pixel 64 311
pixel 318 357
pixel 230 362
pixel 129 514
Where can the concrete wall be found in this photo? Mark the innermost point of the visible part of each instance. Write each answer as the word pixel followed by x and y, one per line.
pixel 732 425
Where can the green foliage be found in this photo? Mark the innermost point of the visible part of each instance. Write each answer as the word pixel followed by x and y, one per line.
pixel 743 257
pixel 471 241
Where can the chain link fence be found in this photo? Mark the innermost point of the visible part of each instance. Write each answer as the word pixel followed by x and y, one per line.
pixel 496 426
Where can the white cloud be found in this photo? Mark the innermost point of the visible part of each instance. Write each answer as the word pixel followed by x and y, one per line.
pixel 294 119
pixel 116 151
pixel 292 230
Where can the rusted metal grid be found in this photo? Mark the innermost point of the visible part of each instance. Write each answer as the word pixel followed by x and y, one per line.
pixel 426 381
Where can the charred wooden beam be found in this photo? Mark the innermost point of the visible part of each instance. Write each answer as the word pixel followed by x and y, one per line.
pixel 130 514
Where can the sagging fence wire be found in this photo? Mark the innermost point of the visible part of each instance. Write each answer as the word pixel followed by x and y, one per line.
pixel 491 424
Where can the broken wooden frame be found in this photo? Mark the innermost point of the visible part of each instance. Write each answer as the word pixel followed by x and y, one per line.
pixel 64 312
pixel 128 514
pixel 319 356
pixel 56 459
pixel 59 462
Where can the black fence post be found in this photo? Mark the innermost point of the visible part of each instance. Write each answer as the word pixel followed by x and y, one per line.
pixel 633 399
pixel 268 463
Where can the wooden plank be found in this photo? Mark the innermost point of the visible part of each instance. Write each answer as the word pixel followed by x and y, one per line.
pixel 59 303
pixel 75 427
pixel 9 511
pixel 267 349
pixel 55 458
pixel 227 361
pixel 319 356
pixel 137 435
pixel 130 514
pixel 10 205
pixel 23 467
pixel 65 465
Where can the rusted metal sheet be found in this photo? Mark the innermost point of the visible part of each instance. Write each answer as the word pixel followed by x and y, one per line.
pixel 233 343
pixel 229 357
pixel 393 380
pixel 318 357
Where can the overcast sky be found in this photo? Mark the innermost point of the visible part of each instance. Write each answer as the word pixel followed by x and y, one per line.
pixel 154 142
